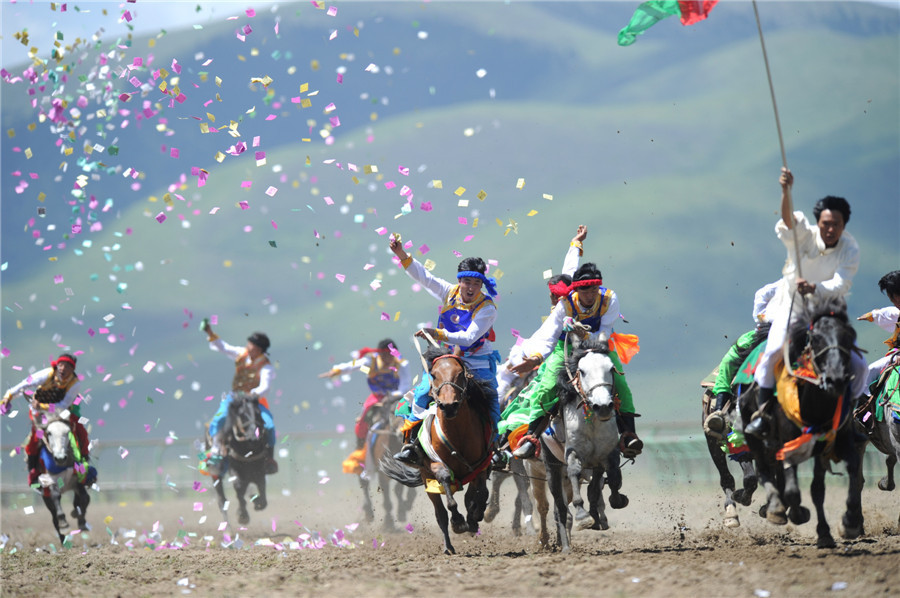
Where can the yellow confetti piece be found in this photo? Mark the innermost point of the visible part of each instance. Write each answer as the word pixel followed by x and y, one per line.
pixel 204 128
pixel 429 265
pixel 227 263
pixel 314 64
pixel 356 31
pixel 218 82
pixel 463 203
pixel 369 169
pixel 499 222
pixel 329 305
pixel 475 223
pixel 548 197
pixel 532 213
pixel 211 117
pixel 304 87
pixel 28 153
pixel 364 369
pixel 438 184
pixel 19 324
pixel 108 519
pixel 397 317
pixel 520 184
pixel 68 151
pixel 308 161
pixel 498 273
pixel 163 73
pixel 305 103
pixel 33 126
pixel 320 4
pixel 10 133
pixel 460 190
pixel 264 80
pixel 355 180
pixel 373 117
pixel 42 196
pixel 481 195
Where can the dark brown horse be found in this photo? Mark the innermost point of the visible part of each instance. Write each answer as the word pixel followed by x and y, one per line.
pixel 820 341
pixel 456 441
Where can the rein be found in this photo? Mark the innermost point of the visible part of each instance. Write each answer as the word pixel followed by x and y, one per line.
pixel 575 380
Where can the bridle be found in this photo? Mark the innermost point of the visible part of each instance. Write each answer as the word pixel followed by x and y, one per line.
pixel 435 392
pixel 575 379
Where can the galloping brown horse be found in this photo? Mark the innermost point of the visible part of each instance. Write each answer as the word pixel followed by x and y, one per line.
pixel 456 441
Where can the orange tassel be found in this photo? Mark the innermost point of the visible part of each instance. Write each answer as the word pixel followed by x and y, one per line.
pixel 625 345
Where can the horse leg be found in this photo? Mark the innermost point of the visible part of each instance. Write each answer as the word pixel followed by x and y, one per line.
pixel 539 489
pixel 726 481
pixel 219 484
pixel 440 513
pixel 745 495
pixel 817 492
pixel 260 502
pixel 852 521
pixel 575 467
pixel 614 481
pixel 797 513
pixel 368 510
pixel 494 501
pixel 561 514
pixel 59 518
pixel 476 501
pixel 81 502
pixel 240 487
pixel 887 482
pixel 524 506
pixel 389 519
pixel 595 500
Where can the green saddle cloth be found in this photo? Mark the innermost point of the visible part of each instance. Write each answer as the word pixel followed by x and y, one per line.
pixel 888 388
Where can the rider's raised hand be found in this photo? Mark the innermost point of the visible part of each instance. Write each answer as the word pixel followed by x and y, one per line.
pixel 580 234
pixel 868 317
pixel 330 373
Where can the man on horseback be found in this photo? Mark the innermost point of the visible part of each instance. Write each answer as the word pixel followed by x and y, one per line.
pixel 887 319
pixel 387 375
pixel 55 389
pixel 736 355
pixel 253 374
pixel 589 310
pixel 559 288
pixel 829 258
pixel 466 320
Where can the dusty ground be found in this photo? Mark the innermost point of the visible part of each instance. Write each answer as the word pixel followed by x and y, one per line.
pixel 668 542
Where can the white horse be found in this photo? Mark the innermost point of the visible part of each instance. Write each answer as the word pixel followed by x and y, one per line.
pixel 59 474
pixel 586 429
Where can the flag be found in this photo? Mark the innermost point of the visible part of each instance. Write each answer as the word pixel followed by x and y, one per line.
pixel 652 12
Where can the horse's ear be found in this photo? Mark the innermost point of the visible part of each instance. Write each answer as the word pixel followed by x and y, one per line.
pixel 576 341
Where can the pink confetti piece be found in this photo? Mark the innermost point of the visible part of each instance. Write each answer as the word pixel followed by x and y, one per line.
pixel 340 277
pixel 426 206
pixel 246 184
pixel 174 153
pixel 198 506
pixel 463 220
pixel 409 527
pixel 381 231
pixel 245 205
pixel 424 249
pixel 271 191
pixel 385 317
pixel 332 11
pixel 58 279
pixel 390 185
pixel 148 366
pixel 160 217
pixel 468 238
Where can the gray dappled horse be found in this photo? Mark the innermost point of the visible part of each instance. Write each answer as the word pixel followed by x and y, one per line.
pixel 58 474
pixel 457 444
pixel 585 426
pixel 243 440
pixel 821 339
pixel 383 438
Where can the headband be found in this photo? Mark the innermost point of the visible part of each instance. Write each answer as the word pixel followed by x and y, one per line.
pixel 64 359
pixel 590 282
pixel 489 282
pixel 559 289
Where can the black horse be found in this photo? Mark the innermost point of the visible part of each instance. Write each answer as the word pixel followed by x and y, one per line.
pixel 820 345
pixel 243 441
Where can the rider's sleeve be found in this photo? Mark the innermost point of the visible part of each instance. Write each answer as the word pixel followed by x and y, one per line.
pixel 436 287
pixel 839 284
pixel 886 317
pixel 31 382
pixel 761 299
pixel 480 325
pixel 220 346
pixel 266 375
pixel 608 320
pixel 70 397
pixel 349 366
pixel 573 255
pixel 544 339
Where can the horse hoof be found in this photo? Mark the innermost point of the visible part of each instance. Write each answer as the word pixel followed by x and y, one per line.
pixel 731 517
pixel 799 515
pixel 586 523
pixel 826 541
pixel 742 497
pixel 244 518
pixel 62 523
pixel 259 506
pixel 460 528
pixel 776 518
pixel 618 501
pixel 886 485
pixel 491 513
pixel 850 531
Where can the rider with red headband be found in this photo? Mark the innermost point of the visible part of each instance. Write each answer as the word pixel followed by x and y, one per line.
pixel 55 390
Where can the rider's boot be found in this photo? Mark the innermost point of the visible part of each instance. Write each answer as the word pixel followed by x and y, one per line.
pixel 629 444
pixel 759 424
pixel 271 463
pixel 409 453
pixel 529 444
pixel 501 456
pixel 715 423
pixel 32 463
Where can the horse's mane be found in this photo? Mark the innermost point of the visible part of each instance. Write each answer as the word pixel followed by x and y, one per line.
pixel 811 311
pixel 479 393
pixel 239 402
pixel 566 391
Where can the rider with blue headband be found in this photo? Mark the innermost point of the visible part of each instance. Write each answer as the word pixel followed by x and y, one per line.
pixel 466 319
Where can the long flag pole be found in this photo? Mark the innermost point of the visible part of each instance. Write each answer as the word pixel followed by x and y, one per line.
pixel 762 43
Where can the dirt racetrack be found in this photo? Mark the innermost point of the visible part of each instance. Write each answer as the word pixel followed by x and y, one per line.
pixel 668 542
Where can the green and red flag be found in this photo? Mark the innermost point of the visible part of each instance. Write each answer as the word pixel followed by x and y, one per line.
pixel 652 12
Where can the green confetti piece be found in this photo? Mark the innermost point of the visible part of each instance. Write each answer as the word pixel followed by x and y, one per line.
pixel 272 244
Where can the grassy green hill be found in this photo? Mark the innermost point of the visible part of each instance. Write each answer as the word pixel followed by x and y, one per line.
pixel 666 150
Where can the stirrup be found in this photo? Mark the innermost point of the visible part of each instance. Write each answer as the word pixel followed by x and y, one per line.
pixel 758 426
pixel 630 445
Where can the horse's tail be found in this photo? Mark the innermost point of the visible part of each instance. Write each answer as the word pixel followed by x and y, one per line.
pixel 399 472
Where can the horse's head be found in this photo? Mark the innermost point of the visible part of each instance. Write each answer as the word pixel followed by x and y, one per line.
pixel 449 381
pixel 56 439
pixel 822 340
pixel 244 420
pixel 588 378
